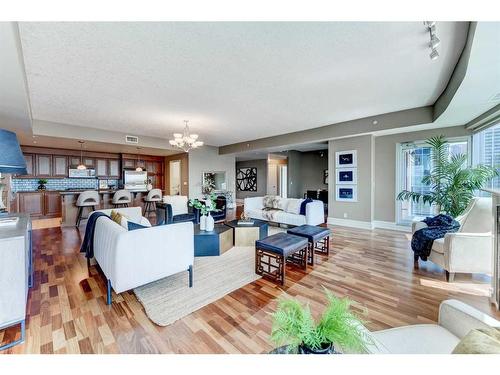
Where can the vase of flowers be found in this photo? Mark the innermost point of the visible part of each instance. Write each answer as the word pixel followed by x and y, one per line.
pixel 207 222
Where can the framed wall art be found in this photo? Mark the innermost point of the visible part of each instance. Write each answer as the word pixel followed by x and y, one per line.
pixel 346 193
pixel 246 179
pixel 346 176
pixel 345 159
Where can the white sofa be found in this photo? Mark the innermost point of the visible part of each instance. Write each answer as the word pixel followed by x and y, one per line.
pixel 470 250
pixel 455 320
pixel 133 258
pixel 288 214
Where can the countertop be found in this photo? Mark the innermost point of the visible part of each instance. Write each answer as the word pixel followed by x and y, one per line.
pixel 492 191
pixel 78 191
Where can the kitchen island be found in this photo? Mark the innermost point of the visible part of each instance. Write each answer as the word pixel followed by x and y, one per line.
pixel 70 210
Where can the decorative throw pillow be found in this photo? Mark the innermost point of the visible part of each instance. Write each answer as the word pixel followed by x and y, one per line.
pixel 294 206
pixel 116 217
pixel 480 341
pixel 133 226
pixel 268 201
pixel 303 205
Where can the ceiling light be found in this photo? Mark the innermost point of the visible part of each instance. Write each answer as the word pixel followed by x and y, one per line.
pixel 185 141
pixel 429 23
pixel 434 54
pixel 81 166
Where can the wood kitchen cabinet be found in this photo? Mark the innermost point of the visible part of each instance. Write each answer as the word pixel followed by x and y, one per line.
pixel 114 169
pixel 101 169
pixel 39 203
pixel 60 166
pixel 89 163
pixel 30 164
pixel 74 161
pixel 43 165
pixel 52 204
pixel 31 203
pixel 128 163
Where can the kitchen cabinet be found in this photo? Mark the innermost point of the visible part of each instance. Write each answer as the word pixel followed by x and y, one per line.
pixel 60 166
pixel 39 203
pixel 52 204
pixel 30 164
pixel 31 203
pixel 74 161
pixel 101 169
pixel 89 163
pixel 43 165
pixel 128 163
pixel 114 169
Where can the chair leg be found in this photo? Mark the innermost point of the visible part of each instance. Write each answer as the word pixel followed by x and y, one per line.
pixel 190 270
pixel 415 262
pixel 108 292
pixel 79 216
pixel 450 276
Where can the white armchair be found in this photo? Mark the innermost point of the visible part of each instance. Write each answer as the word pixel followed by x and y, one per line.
pixel 456 319
pixel 470 250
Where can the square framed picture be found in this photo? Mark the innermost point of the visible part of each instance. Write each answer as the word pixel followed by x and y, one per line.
pixel 325 176
pixel 344 159
pixel 346 176
pixel 346 193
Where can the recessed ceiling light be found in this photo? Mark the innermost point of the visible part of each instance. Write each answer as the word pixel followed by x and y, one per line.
pixel 375 122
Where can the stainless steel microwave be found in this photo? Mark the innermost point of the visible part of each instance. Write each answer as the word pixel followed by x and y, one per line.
pixel 81 173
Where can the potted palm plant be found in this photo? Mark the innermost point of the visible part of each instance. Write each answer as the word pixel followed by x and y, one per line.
pixel 294 326
pixel 452 183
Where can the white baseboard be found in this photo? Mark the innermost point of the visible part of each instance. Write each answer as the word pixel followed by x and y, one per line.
pixel 391 226
pixel 350 223
pixel 368 224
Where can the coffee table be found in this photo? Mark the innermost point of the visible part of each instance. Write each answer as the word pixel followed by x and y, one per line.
pixel 212 243
pixel 246 234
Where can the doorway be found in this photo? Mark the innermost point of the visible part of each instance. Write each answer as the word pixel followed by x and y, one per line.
pixel 174 177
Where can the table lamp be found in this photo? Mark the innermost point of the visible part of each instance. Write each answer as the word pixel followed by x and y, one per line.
pixel 11 158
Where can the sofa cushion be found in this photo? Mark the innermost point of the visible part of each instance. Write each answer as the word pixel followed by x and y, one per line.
pixel 179 204
pixel 417 339
pixel 311 232
pixel 133 226
pixel 294 206
pixel 438 245
pixel 480 341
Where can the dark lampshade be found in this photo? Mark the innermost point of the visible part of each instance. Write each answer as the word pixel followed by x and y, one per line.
pixel 11 156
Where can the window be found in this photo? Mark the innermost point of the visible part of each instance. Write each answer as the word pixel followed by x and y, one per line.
pixel 415 163
pixel 486 150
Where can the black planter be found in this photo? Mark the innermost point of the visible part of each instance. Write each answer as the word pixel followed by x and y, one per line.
pixel 325 349
pixel 41 187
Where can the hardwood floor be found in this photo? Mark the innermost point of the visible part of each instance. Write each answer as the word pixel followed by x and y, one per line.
pixel 67 312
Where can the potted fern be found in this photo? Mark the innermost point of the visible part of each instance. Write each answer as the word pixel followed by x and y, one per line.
pixel 452 182
pixel 294 326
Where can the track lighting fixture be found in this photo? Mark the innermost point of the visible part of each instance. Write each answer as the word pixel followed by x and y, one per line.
pixel 434 40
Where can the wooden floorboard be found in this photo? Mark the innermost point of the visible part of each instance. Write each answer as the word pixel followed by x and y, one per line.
pixel 67 312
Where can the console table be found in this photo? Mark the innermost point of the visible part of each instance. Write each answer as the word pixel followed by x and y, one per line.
pixel 16 274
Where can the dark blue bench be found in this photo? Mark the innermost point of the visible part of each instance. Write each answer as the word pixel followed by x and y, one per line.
pixel 318 238
pixel 273 252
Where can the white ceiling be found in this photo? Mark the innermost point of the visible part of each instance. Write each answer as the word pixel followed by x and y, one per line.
pixel 233 81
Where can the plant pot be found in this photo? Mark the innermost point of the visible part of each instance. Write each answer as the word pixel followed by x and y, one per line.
pixel 210 224
pixel 41 187
pixel 326 349
pixel 203 222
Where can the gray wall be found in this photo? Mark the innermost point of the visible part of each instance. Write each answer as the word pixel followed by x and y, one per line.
pixel 261 166
pixel 385 167
pixel 362 209
pixel 293 172
pixel 312 166
pixel 207 159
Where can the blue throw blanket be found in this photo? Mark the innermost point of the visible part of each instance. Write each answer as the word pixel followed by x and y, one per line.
pixel 437 227
pixel 88 241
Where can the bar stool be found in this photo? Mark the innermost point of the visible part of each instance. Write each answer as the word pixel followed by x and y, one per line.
pixel 153 196
pixel 121 198
pixel 89 198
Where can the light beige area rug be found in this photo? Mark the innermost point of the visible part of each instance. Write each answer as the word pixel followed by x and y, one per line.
pixel 170 299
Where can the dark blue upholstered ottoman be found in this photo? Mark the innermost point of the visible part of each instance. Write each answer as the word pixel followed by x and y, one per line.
pixel 318 237
pixel 273 252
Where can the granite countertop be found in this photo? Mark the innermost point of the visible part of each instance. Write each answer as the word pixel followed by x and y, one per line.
pixel 492 191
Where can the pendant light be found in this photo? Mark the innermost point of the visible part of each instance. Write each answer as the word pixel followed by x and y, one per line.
pixel 81 166
pixel 138 169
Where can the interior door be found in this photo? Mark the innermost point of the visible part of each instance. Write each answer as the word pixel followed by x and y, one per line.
pixel 272 179
pixel 174 177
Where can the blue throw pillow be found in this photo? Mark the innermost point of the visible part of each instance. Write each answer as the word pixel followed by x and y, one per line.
pixel 303 205
pixel 133 226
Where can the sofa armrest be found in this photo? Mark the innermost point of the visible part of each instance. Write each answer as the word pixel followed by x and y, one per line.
pixel 315 213
pixel 468 252
pixel 417 225
pixel 459 318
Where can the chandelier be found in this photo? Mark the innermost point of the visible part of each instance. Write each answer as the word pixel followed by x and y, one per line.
pixel 185 141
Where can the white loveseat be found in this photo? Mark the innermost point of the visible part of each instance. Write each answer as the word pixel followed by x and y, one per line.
pixel 288 212
pixel 133 258
pixel 456 319
pixel 470 250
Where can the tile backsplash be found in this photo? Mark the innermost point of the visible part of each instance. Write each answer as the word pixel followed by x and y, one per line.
pixel 31 184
